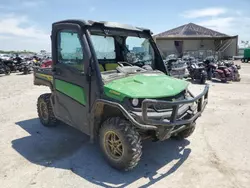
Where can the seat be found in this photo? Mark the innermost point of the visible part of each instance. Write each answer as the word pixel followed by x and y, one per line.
pixel 111 66
pixel 108 66
pixel 101 68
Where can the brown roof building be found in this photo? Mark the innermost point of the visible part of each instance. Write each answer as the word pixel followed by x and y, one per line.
pixel 196 40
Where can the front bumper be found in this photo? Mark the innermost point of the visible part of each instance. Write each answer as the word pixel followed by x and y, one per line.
pixel 180 114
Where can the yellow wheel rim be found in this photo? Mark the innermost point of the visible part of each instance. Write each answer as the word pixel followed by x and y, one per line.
pixel 113 145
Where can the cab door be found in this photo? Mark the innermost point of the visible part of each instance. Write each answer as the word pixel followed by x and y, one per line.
pixel 70 62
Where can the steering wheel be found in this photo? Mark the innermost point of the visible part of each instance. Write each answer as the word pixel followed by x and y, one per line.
pixel 122 64
pixel 141 63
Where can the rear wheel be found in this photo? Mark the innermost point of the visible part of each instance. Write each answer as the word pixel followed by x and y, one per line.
pixel 185 133
pixel 120 143
pixel 45 111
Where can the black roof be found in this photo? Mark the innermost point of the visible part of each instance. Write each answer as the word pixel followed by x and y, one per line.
pixel 106 24
pixel 190 30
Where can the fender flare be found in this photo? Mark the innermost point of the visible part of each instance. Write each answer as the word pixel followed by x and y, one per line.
pixel 97 110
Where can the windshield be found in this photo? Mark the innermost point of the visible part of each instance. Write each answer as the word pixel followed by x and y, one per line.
pixel 139 51
pixel 116 50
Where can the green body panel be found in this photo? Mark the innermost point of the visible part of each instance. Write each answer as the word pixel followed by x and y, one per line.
pixel 247 53
pixel 144 86
pixel 71 90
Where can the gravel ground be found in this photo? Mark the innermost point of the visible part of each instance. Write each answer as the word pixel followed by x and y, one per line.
pixel 216 155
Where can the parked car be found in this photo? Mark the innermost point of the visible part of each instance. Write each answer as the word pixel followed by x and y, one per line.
pixel 5 56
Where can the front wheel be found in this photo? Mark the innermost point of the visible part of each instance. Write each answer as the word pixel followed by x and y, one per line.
pixel 203 78
pixel 45 111
pixel 7 71
pixel 237 77
pixel 25 71
pixel 120 143
pixel 209 74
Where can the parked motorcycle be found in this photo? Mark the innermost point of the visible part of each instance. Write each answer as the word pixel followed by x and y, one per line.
pixel 197 72
pixel 234 70
pixel 46 63
pixel 218 70
pixel 231 63
pixel 18 65
pixel 26 67
pixel 4 69
pixel 196 69
pixel 11 64
pixel 176 67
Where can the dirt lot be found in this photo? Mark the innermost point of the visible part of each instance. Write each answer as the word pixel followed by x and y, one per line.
pixel 216 155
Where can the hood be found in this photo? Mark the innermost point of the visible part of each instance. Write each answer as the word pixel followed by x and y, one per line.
pixel 144 86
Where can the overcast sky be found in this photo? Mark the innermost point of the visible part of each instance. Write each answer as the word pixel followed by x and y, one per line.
pixel 26 24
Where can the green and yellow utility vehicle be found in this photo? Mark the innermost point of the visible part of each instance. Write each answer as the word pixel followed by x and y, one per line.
pixel 109 81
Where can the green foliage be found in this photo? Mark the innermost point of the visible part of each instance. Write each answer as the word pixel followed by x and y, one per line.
pixel 16 52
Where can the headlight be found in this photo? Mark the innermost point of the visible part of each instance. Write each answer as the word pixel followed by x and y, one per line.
pixel 194 107
pixel 135 102
pixel 187 95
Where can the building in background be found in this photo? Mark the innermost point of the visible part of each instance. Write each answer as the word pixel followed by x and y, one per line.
pixel 197 41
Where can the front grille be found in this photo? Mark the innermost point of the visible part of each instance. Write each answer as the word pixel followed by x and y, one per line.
pixel 163 107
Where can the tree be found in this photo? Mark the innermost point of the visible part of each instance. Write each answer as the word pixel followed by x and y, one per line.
pixel 245 43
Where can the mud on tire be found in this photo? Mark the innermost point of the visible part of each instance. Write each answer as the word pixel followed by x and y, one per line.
pixel 129 139
pixel 45 111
